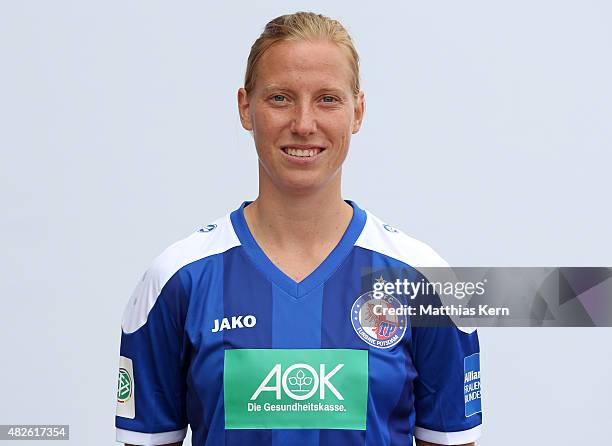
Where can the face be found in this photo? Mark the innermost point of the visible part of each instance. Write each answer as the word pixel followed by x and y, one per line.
pixel 302 114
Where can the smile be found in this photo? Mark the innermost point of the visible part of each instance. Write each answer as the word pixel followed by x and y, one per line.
pixel 303 152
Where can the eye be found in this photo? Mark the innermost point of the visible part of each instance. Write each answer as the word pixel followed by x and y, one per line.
pixel 278 98
pixel 329 99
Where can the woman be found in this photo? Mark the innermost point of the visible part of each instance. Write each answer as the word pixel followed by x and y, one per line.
pixel 258 328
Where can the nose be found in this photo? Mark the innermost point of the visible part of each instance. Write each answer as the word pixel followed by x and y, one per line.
pixel 304 120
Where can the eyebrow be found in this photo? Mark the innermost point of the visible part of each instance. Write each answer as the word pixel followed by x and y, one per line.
pixel 272 87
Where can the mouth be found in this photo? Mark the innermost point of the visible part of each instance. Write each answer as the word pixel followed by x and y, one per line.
pixel 302 151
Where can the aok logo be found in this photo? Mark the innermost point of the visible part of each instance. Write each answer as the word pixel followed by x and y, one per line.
pixel 299 382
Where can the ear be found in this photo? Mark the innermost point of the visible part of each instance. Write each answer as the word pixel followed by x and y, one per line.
pixel 359 111
pixel 243 109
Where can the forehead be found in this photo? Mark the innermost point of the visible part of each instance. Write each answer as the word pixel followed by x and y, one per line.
pixel 315 64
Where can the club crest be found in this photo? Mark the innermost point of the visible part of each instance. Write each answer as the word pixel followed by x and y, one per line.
pixel 376 322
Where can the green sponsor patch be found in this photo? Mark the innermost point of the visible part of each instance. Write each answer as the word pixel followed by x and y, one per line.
pixel 295 389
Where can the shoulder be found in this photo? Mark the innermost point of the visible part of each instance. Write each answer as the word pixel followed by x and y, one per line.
pixel 389 241
pixel 214 238
pixel 385 239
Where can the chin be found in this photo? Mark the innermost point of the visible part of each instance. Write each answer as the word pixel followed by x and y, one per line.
pixel 303 184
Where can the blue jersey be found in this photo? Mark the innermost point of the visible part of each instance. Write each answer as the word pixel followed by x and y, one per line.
pixel 217 338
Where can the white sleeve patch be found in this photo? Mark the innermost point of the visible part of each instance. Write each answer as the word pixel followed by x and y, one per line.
pixel 126 406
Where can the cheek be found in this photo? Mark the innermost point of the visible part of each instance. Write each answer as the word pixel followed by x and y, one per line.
pixel 340 153
pixel 267 135
pixel 267 127
pixel 343 138
pixel 342 126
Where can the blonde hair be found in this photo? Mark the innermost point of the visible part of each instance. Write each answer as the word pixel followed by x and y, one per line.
pixel 302 26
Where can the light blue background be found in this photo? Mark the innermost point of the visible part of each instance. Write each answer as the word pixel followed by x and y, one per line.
pixel 487 134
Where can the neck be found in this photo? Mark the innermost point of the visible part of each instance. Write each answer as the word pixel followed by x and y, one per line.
pixel 298 219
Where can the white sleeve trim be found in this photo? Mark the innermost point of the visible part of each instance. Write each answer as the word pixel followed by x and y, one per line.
pixel 459 437
pixel 145 439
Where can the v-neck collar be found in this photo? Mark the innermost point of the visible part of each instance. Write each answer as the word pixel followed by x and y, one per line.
pixel 315 278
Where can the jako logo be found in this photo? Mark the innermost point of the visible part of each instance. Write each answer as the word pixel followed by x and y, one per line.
pixel 208 228
pixel 235 322
pixel 299 382
pixel 389 228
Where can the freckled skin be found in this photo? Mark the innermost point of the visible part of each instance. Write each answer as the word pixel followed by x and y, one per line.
pixel 302 95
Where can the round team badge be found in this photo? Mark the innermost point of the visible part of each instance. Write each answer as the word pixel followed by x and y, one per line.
pixel 376 321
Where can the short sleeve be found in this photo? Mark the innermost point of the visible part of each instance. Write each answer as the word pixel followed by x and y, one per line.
pixel 447 389
pixel 151 395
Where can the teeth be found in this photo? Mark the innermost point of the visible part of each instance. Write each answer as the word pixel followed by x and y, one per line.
pixel 302 152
